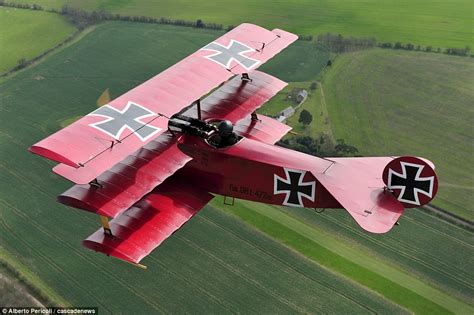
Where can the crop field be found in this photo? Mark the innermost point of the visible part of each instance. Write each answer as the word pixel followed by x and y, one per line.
pixel 409 246
pixel 250 271
pixel 303 262
pixel 389 102
pixel 423 22
pixel 26 34
pixel 419 266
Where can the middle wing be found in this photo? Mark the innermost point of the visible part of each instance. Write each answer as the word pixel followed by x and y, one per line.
pixel 128 181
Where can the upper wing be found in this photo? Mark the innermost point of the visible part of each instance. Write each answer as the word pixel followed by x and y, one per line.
pixel 109 134
pixel 148 223
pixel 356 183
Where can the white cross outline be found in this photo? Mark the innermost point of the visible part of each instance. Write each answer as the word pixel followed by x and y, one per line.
pixel 137 119
pixel 417 177
pixel 227 66
pixel 288 192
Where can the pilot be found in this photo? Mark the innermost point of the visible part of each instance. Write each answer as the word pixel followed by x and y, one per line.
pixel 224 136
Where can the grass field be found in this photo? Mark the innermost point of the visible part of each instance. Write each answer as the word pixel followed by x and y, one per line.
pixel 394 103
pixel 423 266
pixel 402 265
pixel 26 34
pixel 249 271
pixel 446 265
pixel 424 22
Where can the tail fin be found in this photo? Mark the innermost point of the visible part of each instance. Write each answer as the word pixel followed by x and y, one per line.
pixel 412 180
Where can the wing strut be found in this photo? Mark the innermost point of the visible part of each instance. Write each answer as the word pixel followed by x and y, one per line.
pixel 198 104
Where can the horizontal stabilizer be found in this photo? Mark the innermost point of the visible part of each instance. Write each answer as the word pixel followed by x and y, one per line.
pixel 356 183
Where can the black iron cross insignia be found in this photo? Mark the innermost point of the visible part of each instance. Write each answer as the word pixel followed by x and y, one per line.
pixel 129 118
pixel 410 183
pixel 234 51
pixel 294 187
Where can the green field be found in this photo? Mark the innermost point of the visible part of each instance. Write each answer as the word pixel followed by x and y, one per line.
pixel 445 266
pixel 389 102
pixel 401 265
pixel 423 22
pixel 307 263
pixel 26 34
pixel 250 272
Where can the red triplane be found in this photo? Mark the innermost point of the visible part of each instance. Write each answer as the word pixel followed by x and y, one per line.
pixel 153 157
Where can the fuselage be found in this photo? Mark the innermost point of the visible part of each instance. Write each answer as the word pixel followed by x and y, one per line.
pixel 256 171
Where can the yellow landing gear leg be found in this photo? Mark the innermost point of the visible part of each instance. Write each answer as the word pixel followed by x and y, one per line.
pixel 108 231
pixel 105 225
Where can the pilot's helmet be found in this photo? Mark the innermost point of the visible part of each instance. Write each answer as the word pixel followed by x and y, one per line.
pixel 225 128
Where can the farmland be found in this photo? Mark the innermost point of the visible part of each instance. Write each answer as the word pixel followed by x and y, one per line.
pixel 391 264
pixel 250 271
pixel 26 34
pixel 303 263
pixel 423 22
pixel 396 103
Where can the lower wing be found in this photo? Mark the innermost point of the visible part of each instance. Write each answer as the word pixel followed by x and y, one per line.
pixel 141 228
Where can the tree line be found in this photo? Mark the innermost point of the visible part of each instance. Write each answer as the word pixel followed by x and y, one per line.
pixel 22 63
pixel 81 18
pixel 340 44
pixel 321 146
pixel 464 52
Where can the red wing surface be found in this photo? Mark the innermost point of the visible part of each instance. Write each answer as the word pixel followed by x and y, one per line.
pixel 128 181
pixel 148 223
pixel 237 99
pixel 112 132
pixel 265 129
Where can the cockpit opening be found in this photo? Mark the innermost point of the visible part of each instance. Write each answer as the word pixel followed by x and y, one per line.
pixel 217 133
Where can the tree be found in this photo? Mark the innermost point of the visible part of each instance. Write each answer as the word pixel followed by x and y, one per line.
pixel 343 149
pixel 21 63
pixel 313 86
pixel 199 24
pixel 305 117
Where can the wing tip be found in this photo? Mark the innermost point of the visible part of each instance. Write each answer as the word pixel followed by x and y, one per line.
pixel 51 155
pixel 101 247
pixel 290 37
